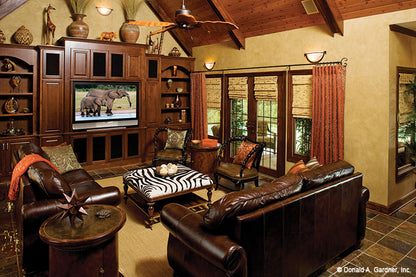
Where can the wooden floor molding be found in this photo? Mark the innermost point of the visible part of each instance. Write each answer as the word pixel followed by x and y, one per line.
pixel 388 210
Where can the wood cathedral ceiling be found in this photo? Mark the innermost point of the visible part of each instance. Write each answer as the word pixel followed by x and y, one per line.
pixel 256 18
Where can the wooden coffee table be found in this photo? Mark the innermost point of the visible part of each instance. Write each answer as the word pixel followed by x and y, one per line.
pixel 150 188
pixel 86 248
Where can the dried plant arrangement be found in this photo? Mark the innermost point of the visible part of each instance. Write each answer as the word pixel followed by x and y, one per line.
pixel 79 6
pixel 130 7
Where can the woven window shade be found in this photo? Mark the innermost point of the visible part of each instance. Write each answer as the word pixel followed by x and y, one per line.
pixel 302 96
pixel 237 88
pixel 406 100
pixel 265 88
pixel 213 93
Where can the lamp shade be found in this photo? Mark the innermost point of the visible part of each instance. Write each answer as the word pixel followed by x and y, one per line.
pixel 104 10
pixel 209 65
pixel 315 56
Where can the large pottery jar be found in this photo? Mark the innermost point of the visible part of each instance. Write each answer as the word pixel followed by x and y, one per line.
pixel 78 28
pixel 129 33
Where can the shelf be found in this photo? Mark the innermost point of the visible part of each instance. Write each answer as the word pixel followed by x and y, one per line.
pixel 16 73
pixel 175 109
pixel 16 114
pixel 176 78
pixel 16 94
pixel 175 93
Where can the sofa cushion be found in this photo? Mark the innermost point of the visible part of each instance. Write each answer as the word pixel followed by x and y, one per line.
pixel 77 176
pixel 48 180
pixel 176 139
pixel 241 202
pixel 298 167
pixel 63 158
pixel 243 150
pixel 325 174
pixel 313 163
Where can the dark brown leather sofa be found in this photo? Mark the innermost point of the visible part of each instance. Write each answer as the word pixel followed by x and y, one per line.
pixel 292 226
pixel 39 199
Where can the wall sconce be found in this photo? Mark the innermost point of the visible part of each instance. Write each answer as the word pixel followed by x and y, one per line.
pixel 209 65
pixel 104 10
pixel 315 56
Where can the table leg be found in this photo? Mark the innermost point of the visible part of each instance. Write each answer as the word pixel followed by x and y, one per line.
pixel 125 192
pixel 209 195
pixel 150 210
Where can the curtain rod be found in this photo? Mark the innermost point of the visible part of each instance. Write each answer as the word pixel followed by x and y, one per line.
pixel 343 62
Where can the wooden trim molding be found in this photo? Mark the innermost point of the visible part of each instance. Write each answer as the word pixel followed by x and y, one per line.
pixel 393 207
pixel 7 6
pixel 402 30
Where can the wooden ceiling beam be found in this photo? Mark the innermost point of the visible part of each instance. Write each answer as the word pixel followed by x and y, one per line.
pixel 402 30
pixel 162 15
pixel 7 6
pixel 220 10
pixel 329 11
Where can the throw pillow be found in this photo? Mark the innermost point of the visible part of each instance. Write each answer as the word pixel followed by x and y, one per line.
pixel 298 167
pixel 63 158
pixel 176 139
pixel 242 152
pixel 313 163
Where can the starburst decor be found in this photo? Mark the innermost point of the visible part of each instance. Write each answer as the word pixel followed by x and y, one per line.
pixel 73 206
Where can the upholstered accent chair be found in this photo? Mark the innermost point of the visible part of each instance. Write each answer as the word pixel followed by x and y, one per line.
pixel 264 134
pixel 245 165
pixel 170 145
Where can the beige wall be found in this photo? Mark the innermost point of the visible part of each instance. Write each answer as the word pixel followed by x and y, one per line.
pixel 368 107
pixel 31 15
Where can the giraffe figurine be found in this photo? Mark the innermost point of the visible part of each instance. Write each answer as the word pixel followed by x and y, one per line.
pixel 50 27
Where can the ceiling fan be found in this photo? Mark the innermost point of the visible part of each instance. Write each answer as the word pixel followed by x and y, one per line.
pixel 185 20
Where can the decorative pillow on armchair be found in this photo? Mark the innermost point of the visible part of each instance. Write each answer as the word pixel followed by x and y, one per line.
pixel 63 158
pixel 243 150
pixel 176 139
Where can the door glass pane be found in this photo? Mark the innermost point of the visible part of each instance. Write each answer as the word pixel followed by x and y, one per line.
pixel 267 132
pixel 238 121
pixel 214 106
pixel 303 136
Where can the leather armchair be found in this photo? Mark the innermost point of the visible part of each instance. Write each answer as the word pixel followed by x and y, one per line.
pixel 175 153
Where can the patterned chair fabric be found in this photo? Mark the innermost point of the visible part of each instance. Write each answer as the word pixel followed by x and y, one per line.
pixel 170 145
pixel 240 173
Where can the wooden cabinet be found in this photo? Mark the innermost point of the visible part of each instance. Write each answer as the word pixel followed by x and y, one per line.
pixel 18 90
pixel 7 146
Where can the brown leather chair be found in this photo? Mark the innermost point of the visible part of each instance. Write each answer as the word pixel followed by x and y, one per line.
pixel 170 149
pixel 236 172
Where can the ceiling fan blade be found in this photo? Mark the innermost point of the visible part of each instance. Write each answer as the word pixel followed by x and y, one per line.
pixel 187 19
pixel 168 28
pixel 151 23
pixel 217 26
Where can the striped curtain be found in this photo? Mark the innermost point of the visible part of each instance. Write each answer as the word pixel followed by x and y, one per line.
pixel 199 106
pixel 328 113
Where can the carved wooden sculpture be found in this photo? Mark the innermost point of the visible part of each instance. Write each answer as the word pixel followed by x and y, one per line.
pixel 50 27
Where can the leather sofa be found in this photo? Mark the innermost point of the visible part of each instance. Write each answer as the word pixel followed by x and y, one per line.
pixel 292 226
pixel 40 196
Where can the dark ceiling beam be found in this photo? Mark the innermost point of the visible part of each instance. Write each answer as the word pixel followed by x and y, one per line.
pixel 7 6
pixel 402 30
pixel 162 15
pixel 220 10
pixel 331 15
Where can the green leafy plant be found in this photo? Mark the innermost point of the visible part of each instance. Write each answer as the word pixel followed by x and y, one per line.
pixel 130 7
pixel 79 6
pixel 303 128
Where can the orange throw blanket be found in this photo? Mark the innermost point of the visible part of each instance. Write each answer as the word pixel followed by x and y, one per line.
pixel 20 169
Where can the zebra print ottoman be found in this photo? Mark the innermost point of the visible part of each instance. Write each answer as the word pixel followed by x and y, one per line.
pixel 150 188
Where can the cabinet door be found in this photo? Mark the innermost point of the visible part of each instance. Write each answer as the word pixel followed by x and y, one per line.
pixel 153 103
pixel 51 104
pixel 7 148
pixel 80 63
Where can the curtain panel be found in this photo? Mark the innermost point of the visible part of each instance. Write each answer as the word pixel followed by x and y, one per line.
pixel 328 113
pixel 199 106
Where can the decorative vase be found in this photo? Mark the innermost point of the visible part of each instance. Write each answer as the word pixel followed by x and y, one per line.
pixel 78 28
pixel 128 32
pixel 177 103
pixel 23 36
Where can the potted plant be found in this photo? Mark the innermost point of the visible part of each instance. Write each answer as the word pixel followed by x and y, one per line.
pixel 78 28
pixel 128 32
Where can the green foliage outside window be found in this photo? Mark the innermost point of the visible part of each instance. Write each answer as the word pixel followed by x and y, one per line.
pixel 238 118
pixel 303 136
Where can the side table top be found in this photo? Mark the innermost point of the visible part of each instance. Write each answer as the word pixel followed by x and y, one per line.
pixel 92 230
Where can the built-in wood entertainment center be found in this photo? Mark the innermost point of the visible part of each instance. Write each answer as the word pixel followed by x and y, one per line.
pixel 37 98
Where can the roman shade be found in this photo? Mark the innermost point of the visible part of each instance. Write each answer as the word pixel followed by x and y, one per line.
pixel 302 96
pixel 213 93
pixel 237 88
pixel 406 100
pixel 265 88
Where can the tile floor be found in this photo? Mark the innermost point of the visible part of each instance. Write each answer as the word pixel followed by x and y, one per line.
pixel 388 249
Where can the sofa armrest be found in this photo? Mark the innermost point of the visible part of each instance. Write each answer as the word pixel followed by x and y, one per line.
pixel 218 250
pixel 362 215
pixel 40 210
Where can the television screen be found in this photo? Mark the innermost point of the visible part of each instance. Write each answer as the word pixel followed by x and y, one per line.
pixel 114 104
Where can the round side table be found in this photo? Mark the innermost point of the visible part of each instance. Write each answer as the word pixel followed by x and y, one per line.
pixel 86 248
pixel 204 159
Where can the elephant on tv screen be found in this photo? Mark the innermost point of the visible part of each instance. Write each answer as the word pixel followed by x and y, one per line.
pixel 108 97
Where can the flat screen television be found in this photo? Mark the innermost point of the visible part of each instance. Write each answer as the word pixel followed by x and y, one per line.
pixel 104 105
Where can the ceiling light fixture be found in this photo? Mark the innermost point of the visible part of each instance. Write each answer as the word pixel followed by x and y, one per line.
pixel 104 10
pixel 209 65
pixel 315 56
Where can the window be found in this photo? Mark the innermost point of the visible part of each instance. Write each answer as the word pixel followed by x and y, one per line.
pixel 214 89
pixel 238 93
pixel 300 115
